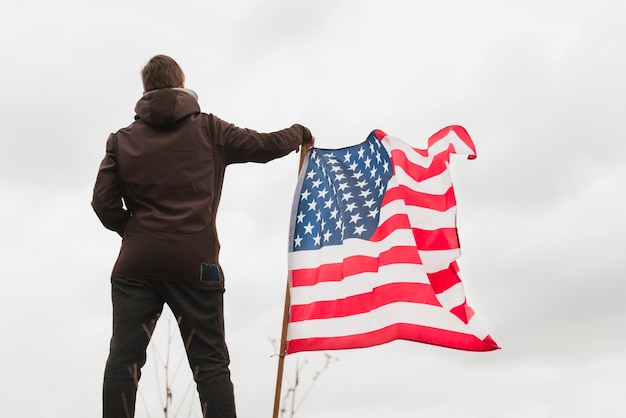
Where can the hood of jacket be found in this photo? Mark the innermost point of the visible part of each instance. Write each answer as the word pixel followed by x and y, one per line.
pixel 163 108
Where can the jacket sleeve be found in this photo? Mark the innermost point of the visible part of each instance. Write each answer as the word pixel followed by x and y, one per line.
pixel 246 145
pixel 107 194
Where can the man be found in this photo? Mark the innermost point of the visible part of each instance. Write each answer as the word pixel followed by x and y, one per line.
pixel 158 187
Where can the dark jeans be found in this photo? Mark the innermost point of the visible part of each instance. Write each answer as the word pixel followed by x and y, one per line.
pixel 137 305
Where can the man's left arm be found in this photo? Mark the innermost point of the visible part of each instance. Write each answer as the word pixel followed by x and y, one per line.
pixel 246 145
pixel 107 194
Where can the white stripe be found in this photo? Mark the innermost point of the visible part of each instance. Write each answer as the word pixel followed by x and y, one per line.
pixel 358 284
pixel 437 185
pixel 429 219
pixel 452 297
pixel 331 254
pixel 419 217
pixel 401 312
pixel 392 143
pixel 438 260
pixel 477 328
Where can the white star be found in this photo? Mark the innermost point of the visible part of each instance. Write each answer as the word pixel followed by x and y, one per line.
pixel 312 205
pixel 361 152
pixel 362 183
pixel 386 166
pixel 347 157
pixel 327 236
pixel 355 218
pixel 365 193
pixel 340 177
pixel 353 166
pixel 308 229
pixel 301 217
pixel 359 229
pixel 317 183
pixel 347 196
pixel 369 203
pixel 317 239
pixel 328 204
pixel 305 194
pixel 368 162
pixel 373 213
pixel 333 214
pixel 373 172
pixel 297 241
pixel 322 193
pixel 357 175
pixel 350 207
pixel 310 174
pixel 339 224
pixel 343 186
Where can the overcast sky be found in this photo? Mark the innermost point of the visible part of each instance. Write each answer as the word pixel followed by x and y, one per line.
pixel 540 87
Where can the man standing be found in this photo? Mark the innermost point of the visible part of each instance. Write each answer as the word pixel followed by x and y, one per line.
pixel 159 187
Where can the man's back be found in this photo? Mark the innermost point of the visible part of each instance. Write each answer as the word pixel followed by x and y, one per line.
pixel 168 167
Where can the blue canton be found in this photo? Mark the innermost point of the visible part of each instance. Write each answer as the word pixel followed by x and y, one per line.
pixel 341 194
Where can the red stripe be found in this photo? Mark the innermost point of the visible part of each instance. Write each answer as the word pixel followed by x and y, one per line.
pixel 462 313
pixel 336 272
pixel 393 223
pixel 418 172
pixel 411 197
pixel 460 132
pixel 439 239
pixel 366 302
pixel 399 331
pixel 444 279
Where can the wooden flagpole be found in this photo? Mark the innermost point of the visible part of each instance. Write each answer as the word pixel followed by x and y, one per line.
pixel 304 151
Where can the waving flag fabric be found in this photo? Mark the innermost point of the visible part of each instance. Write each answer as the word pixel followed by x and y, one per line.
pixel 373 245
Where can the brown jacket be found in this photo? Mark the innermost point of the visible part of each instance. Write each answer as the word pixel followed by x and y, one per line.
pixel 160 182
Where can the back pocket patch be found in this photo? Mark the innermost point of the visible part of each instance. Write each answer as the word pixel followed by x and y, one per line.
pixel 210 274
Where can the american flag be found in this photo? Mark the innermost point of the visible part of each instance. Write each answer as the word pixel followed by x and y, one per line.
pixel 373 244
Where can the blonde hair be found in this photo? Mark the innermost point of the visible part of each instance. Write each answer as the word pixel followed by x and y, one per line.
pixel 161 72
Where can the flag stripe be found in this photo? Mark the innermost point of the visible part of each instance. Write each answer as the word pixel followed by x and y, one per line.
pixel 365 302
pixel 398 331
pixel 440 202
pixel 335 253
pixel 358 283
pixel 444 279
pixel 435 185
pixel 379 318
pixel 353 265
pixel 420 217
pixel 417 172
pixel 436 261
pixel 440 239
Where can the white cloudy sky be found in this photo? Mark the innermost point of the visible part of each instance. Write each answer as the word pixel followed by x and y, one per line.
pixel 539 85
